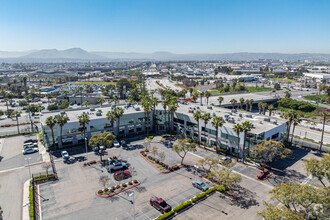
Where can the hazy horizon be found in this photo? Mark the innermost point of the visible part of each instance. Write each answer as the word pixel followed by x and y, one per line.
pixel 180 27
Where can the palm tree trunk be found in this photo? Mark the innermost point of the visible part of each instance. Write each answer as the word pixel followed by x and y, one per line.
pixel 61 137
pixel 17 124
pixel 289 128
pixel 322 135
pixel 238 147
pixel 216 138
pixel 147 127
pixel 199 136
pixel 53 138
pixel 251 107
pixel 118 124
pixel 294 126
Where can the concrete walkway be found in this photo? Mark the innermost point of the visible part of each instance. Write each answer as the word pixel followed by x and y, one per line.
pixel 26 205
pixel 43 152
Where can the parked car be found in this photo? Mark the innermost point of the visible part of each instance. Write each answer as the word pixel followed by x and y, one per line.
pixel 120 175
pixel 263 174
pixel 65 154
pixel 123 143
pixel 30 145
pixel 30 141
pixel 30 150
pixel 116 165
pixel 225 160
pixel 116 143
pixel 262 166
pixel 200 185
pixel 160 204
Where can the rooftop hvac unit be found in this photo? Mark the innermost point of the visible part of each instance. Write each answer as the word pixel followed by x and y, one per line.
pixel 234 110
pixel 240 115
pixel 248 116
pixel 63 113
pixel 92 109
pixel 98 114
pixel 99 110
pixel 191 111
pixel 226 116
pixel 137 109
pixel 209 107
pixel 267 119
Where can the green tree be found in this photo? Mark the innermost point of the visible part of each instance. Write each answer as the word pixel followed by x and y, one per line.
pixel 80 89
pixel 247 126
pixel 197 116
pixel 217 122
pixel 277 86
pixel 268 151
pixel 208 163
pixel 101 101
pixel 119 112
pixel 233 102
pixel 147 108
pixel 220 100
pixel 207 95
pixel 241 102
pixel 201 94
pixel 154 102
pixel 7 100
pixel 324 115
pixel 225 176
pixel 270 109
pixel 206 118
pixel 319 169
pixel 251 104
pixel 195 95
pixel 173 106
pixel 260 107
pixel 51 122
pixel 287 94
pixel 61 120
pixel 272 212
pixel 183 147
pixel 264 107
pixel 83 120
pixel 295 122
pixel 238 128
pixel 290 115
pixel 104 139
pixel 16 114
pixel 111 117
pixel 85 103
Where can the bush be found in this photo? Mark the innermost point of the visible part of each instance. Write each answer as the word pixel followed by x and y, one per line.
pixel 124 185
pixel 220 188
pixel 157 161
pixel 40 136
pixel 210 190
pixel 147 150
pixel 165 215
pixel 113 188
pixel 142 152
pixel 130 183
pixel 248 160
pixel 31 202
pixel 200 196
pixel 193 199
pixel 100 191
pixel 118 186
pixel 106 190
pixel 135 181
pixel 182 206
pixel 42 178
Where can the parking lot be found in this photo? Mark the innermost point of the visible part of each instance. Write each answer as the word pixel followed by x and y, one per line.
pixel 11 153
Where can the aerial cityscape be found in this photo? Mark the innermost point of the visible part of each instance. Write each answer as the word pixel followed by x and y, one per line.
pixel 164 110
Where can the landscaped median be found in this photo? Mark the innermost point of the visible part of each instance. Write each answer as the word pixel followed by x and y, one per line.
pixel 159 165
pixel 188 204
pixel 115 190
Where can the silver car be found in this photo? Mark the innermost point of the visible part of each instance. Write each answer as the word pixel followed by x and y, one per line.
pixel 30 150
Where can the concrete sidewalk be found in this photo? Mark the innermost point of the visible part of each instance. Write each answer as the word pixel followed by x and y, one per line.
pixel 43 152
pixel 26 204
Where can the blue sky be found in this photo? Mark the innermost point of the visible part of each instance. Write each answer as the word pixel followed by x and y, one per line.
pixel 179 26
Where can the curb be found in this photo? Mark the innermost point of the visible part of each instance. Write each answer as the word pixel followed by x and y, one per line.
pixel 157 167
pixel 101 196
pixel 34 164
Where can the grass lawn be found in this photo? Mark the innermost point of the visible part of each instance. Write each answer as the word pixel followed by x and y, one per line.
pixel 306 114
pixel 259 89
pixel 281 79
pixel 95 83
pixel 317 98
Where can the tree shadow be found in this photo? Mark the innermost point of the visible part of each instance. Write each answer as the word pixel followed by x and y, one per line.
pixel 245 198
pixel 112 198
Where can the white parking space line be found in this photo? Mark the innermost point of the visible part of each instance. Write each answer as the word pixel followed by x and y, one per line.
pixel 139 211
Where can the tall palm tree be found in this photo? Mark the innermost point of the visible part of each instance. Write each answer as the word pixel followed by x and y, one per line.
pixel 154 102
pixel 51 122
pixel 101 101
pixel 260 107
pixel 119 112
pixel 247 102
pixel 147 107
pixel 241 102
pixel 6 100
pixel 296 121
pixel 83 120
pixel 290 116
pixel 80 90
pixel 238 128
pixel 270 109
pixel 111 117
pixel 165 104
pixel 251 104
pixel 325 115
pixel 264 107
pixel 207 95
pixel 233 102
pixel 217 122
pixel 247 126
pixel 61 120
pixel 197 116
pixel 195 95
pixel 16 114
pixel 85 103
pixel 206 118
pixel 172 109
pixel 201 94
pixel 220 100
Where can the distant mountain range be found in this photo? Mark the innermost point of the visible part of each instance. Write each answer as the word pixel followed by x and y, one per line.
pixel 78 54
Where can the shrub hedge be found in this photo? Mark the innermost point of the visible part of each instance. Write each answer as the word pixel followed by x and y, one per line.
pixel 44 177
pixel 200 196
pixel 31 202
pixel 182 206
pixel 166 215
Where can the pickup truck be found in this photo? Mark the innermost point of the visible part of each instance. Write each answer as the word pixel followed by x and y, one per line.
pixel 117 165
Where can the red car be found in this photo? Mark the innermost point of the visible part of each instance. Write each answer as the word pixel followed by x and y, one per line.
pixel 120 175
pixel 160 204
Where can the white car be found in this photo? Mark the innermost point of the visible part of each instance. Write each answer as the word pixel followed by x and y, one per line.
pixel 65 154
pixel 30 150
pixel 225 160
pixel 116 143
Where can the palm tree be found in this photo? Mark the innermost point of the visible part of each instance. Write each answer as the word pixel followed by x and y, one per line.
pixel 296 121
pixel 206 118
pixel 233 102
pixel 247 102
pixel 201 94
pixel 119 112
pixel 241 102
pixel 251 104
pixel 264 107
pixel 217 122
pixel 111 117
pixel 270 109
pixel 85 103
pixel 61 120
pixel 207 95
pixel 101 101
pixel 197 116
pixel 16 114
pixel 83 120
pixel 154 103
pixel 115 99
pixel 6 100
pixel 247 126
pixel 287 94
pixel 80 90
pixel 195 95
pixel 325 115
pixel 51 122
pixel 165 104
pixel 172 109
pixel 147 107
pixel 238 128
pixel 290 116
pixel 260 107
pixel 220 100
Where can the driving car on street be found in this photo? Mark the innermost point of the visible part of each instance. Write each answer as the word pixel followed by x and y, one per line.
pixel 160 204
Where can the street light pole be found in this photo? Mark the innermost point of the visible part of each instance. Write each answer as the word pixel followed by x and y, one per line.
pixel 196 172
pixel 28 161
pixel 132 195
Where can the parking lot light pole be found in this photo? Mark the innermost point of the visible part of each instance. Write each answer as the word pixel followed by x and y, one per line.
pixel 196 172
pixel 132 195
pixel 28 161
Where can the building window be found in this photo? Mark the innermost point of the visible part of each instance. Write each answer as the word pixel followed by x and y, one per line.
pixel 180 121
pixel 275 136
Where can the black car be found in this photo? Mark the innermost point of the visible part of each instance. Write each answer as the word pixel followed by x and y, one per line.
pixel 30 141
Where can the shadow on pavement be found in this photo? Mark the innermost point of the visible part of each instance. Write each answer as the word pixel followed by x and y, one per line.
pixel 245 197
